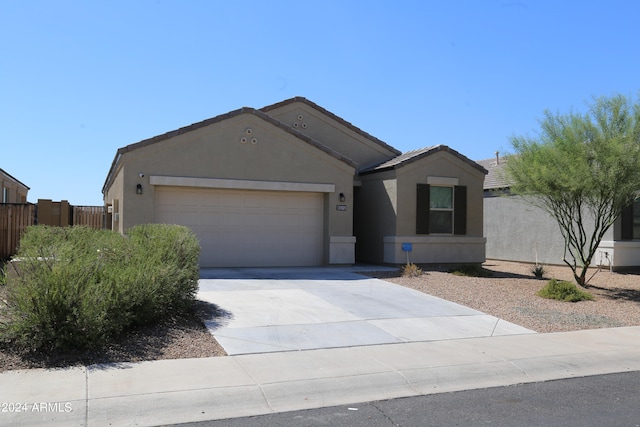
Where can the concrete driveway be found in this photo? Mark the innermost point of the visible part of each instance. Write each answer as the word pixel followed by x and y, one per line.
pixel 285 309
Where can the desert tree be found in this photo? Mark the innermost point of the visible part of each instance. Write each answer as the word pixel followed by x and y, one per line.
pixel 583 169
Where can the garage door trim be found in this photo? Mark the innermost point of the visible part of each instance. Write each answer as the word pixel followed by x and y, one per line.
pixel 241 184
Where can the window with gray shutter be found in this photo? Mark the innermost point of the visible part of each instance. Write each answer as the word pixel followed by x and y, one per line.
pixel 441 209
pixel 422 211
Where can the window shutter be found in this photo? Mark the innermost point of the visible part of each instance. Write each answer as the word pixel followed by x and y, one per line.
pixel 422 209
pixel 626 222
pixel 460 209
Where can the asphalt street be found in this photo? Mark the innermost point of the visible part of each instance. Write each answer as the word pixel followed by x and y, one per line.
pixel 603 400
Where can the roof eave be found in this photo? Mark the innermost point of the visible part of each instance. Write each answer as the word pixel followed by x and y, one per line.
pixel 334 117
pixel 427 152
pixel 244 110
pixel 15 179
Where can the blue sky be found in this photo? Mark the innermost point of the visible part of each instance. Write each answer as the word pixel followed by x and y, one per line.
pixel 79 79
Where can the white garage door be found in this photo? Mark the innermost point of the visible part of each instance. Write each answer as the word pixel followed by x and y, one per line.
pixel 241 228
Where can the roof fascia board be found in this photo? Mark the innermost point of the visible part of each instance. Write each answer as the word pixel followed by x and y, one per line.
pixel 332 116
pixel 443 148
pixel 217 119
pixel 433 150
pixel 17 181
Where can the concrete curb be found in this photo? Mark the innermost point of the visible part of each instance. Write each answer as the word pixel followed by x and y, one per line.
pixel 190 390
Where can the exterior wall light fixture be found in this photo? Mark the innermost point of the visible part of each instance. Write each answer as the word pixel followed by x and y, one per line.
pixel 139 189
pixel 342 198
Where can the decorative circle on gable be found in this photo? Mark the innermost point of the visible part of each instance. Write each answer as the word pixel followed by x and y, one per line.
pixel 248 131
pixel 300 117
pixel 243 140
pixel 295 125
pixel 254 141
pixel 304 126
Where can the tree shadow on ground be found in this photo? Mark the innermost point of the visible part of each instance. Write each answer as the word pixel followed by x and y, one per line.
pixel 618 293
pixel 509 275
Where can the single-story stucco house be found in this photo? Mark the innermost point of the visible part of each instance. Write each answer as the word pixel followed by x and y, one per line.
pixel 292 184
pixel 518 231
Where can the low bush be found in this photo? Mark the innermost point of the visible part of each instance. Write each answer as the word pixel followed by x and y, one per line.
pixel 165 263
pixel 78 287
pixel 471 270
pixel 538 271
pixel 411 270
pixel 3 274
pixel 564 291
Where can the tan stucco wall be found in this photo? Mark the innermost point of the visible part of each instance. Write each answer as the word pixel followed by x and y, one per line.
pixel 440 164
pixel 217 151
pixel 376 214
pixel 15 191
pixel 331 133
pixel 389 198
pixel 435 249
pixel 114 198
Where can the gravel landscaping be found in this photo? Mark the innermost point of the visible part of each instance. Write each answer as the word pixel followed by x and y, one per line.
pixel 509 293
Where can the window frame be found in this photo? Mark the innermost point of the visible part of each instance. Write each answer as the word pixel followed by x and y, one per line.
pixel 450 210
pixel 423 209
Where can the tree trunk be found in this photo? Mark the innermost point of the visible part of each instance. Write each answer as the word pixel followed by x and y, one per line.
pixel 581 279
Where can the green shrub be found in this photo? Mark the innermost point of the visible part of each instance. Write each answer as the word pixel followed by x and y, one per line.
pixel 54 301
pixel 166 266
pixel 411 270
pixel 564 291
pixel 471 270
pixel 78 287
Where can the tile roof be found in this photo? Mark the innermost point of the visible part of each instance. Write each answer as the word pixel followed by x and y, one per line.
pixel 495 179
pixel 413 155
pixel 207 122
pixel 333 116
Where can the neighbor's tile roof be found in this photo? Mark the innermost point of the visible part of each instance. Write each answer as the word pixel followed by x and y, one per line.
pixel 496 177
pixel 413 155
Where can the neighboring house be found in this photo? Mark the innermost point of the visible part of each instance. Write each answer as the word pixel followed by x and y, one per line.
pixel 12 190
pixel 517 231
pixel 292 184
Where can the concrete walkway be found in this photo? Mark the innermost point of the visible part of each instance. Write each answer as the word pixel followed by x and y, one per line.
pixel 283 309
pixel 190 390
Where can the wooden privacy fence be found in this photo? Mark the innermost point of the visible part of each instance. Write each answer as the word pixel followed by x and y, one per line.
pixel 91 216
pixel 14 219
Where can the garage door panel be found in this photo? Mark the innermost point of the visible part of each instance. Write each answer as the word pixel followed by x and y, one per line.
pixel 247 228
pixel 190 217
pixel 173 199
pixel 301 221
